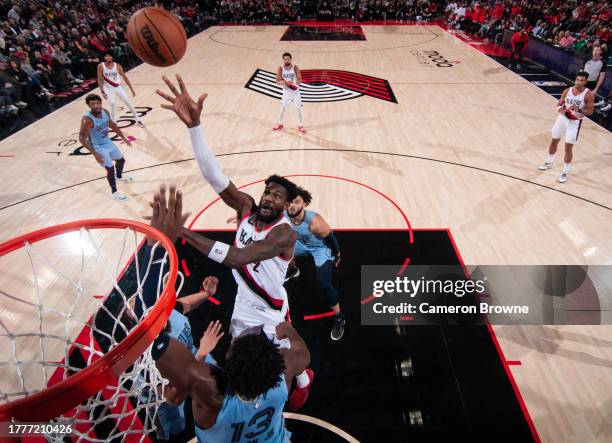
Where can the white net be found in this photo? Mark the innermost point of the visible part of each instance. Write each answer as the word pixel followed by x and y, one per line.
pixel 66 302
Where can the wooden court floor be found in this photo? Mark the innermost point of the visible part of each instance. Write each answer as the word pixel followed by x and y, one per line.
pixel 458 150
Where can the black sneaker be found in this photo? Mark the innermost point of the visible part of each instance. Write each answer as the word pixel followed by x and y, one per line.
pixel 338 329
pixel 292 273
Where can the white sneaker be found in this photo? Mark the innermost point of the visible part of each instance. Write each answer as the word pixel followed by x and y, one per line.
pixel 21 105
pixel 119 196
pixel 545 166
pixel 125 179
pixel 563 178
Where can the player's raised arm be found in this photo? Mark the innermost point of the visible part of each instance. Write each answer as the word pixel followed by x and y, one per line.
pixel 280 239
pixel 192 301
pixel 297 357
pixel 189 111
pixel 188 376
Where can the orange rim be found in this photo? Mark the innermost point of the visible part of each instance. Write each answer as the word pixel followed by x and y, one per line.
pixel 61 397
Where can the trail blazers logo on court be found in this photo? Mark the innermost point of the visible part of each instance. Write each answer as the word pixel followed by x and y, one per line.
pixel 325 85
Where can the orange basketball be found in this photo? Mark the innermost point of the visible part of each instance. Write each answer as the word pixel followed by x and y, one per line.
pixel 157 36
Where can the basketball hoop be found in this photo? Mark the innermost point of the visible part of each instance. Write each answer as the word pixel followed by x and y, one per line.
pixel 113 343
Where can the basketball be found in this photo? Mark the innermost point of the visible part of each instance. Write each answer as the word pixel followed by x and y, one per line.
pixel 156 36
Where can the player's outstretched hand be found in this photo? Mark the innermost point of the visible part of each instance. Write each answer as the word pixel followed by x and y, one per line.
pixel 210 285
pixel 182 104
pixel 168 214
pixel 209 340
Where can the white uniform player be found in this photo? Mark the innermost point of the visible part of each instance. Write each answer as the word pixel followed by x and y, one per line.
pixel 109 80
pixel 289 77
pixel 264 243
pixel 261 298
pixel 568 124
pixel 574 104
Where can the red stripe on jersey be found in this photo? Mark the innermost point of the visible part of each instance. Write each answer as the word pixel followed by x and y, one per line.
pixel 274 303
pixel 110 82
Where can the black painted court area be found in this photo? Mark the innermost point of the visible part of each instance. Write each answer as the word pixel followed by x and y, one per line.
pixel 323 33
pixel 454 385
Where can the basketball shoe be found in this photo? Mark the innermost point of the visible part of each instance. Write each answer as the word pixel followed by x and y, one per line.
pixel 300 395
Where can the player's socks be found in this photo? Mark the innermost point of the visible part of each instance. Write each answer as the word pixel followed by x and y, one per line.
pixel 551 158
pixel 120 164
pixel 302 379
pixel 110 176
pixel 300 117
pixel 564 173
pixel 566 168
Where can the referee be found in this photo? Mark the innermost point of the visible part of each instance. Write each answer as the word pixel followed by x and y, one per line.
pixel 596 68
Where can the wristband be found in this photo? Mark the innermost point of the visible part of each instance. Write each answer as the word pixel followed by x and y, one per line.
pixel 218 252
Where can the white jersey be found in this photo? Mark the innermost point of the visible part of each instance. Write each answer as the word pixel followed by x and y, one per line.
pixel 262 282
pixel 111 76
pixel 288 74
pixel 575 100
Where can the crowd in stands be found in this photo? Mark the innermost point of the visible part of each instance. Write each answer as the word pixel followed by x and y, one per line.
pixel 282 11
pixel 573 25
pixel 50 46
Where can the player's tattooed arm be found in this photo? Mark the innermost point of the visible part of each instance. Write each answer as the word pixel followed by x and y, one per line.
pixel 86 126
pixel 280 241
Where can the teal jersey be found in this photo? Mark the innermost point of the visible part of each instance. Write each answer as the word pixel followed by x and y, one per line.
pixel 258 421
pixel 98 135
